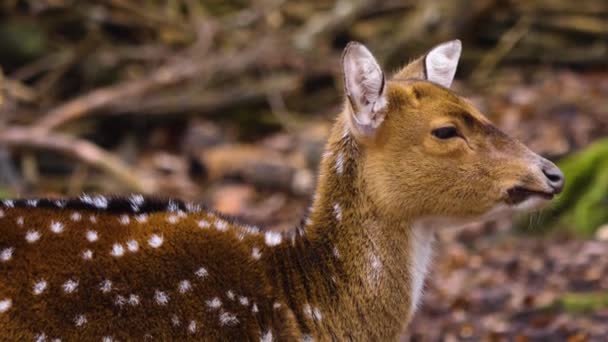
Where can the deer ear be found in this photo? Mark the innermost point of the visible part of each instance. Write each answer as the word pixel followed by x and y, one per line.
pixel 441 62
pixel 365 89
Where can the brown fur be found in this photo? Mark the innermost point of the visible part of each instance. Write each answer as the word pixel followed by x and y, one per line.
pixel 346 274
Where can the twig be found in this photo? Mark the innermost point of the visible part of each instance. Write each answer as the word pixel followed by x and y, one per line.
pixel 16 137
pixel 506 43
pixel 343 12
pixel 177 71
pixel 195 100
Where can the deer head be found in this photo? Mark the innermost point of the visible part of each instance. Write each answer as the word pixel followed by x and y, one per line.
pixel 429 153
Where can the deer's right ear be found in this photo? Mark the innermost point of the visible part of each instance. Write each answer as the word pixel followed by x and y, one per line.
pixel 364 85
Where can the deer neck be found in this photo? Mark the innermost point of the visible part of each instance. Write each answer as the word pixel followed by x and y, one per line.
pixel 354 272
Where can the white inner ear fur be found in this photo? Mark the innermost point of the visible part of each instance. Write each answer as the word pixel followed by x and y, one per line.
pixel 441 62
pixel 364 86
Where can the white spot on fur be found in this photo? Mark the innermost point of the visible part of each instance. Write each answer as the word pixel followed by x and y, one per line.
pixel 134 300
pixel 421 245
pixel 155 241
pixel 108 339
pixel 75 216
pixel 201 272
pixel 1 213
pixel 60 203
pixel 244 300
pixel 214 303
pixel 117 250
pixel 316 314
pixel 272 238
pixel 192 327
pixel 172 219
pixel 32 203
pixel 336 252
pixel 230 294
pixel 229 319
pixel 172 206
pixel 5 304
pixel 307 310
pixel 312 312
pixel 175 321
pixel 80 320
pixel 254 308
pixel 120 301
pixel 375 270
pixel 132 246
pixel 92 236
pixel 40 337
pixel 247 230
pixel 204 224
pixel 87 254
pixel 339 163
pixel 221 225
pixel 7 254
pixel 184 286
pixel 255 253
pixel 124 220
pixel 57 227
pixel 93 219
pixel 161 298
pixel 307 338
pixel 70 286
pixel 32 236
pixel 276 305
pixel 267 337
pixel 105 286
pixel 97 201
pixel 193 208
pixel 141 218
pixel 136 201
pixel 39 287
pixel 19 220
pixel 338 211
pixel 9 203
pixel 345 132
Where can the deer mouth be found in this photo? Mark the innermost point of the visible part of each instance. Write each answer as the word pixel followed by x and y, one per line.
pixel 518 194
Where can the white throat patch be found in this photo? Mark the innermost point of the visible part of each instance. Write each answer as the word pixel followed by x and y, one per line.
pixel 421 246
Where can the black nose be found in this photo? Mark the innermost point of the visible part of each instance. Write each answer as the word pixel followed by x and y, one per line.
pixel 555 177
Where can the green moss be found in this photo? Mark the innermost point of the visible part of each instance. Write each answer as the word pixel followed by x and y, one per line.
pixel 584 302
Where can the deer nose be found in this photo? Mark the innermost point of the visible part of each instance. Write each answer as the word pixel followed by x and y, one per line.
pixel 555 177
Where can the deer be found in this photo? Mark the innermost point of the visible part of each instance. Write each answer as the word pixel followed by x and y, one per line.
pixel 405 157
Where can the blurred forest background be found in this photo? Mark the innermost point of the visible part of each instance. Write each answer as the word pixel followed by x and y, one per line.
pixel 229 103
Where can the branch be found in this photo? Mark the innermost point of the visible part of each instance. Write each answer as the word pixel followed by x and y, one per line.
pixel 15 137
pixel 179 70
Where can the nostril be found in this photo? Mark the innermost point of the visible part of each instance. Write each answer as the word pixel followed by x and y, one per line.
pixel 555 177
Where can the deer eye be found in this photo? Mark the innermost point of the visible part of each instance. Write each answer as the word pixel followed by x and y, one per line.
pixel 445 132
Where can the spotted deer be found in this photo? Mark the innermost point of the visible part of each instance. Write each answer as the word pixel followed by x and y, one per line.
pixel 405 156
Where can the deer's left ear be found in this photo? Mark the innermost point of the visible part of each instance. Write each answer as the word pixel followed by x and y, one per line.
pixel 365 89
pixel 441 62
